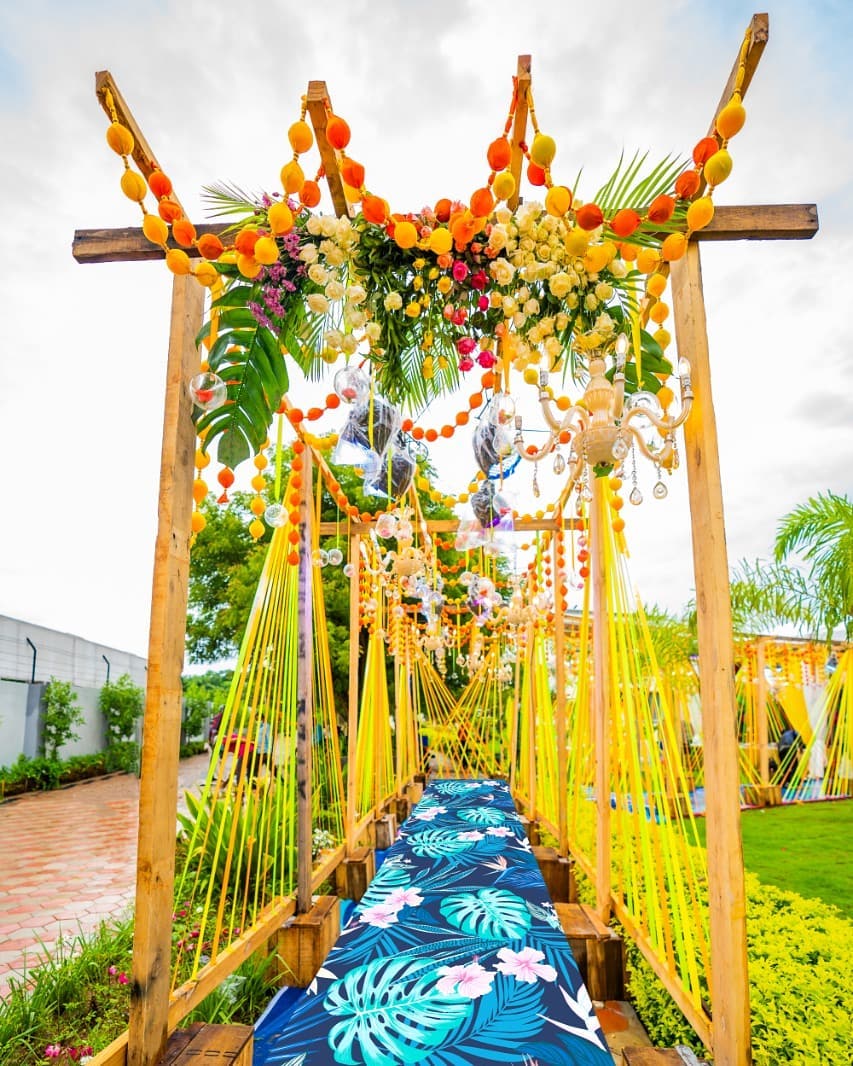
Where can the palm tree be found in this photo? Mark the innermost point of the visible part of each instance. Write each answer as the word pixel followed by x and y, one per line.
pixel 821 532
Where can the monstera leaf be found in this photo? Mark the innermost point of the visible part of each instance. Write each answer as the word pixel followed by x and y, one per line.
pixel 393 1013
pixel 434 843
pixel 483 816
pixel 490 912
pixel 247 356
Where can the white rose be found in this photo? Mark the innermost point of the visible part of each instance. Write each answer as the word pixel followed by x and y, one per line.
pixel 334 290
pixel 373 331
pixel 502 271
pixel 328 225
pixel 527 244
pixel 498 238
pixel 518 319
pixel 334 338
pixel 543 251
pixel 318 274
pixel 604 323
pixel 546 326
pixel 534 334
pixel 518 259
pixel 308 253
pixel 343 229
pixel 356 294
pixel 503 215
pixel 317 303
pixel 618 268
pixel 560 285
pixel 590 301
pixel 355 318
pixel 313 225
pixel 531 307
pixel 349 344
pixel 393 301
pixel 603 291
pixel 509 306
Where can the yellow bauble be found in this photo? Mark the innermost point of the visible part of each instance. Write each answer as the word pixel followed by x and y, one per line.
pixel 155 229
pixel 504 185
pixel 120 139
pixel 718 167
pixel 178 261
pixel 266 251
pixel 133 186
pixel 543 150
pixel 731 119
pixel 440 242
pixel 700 213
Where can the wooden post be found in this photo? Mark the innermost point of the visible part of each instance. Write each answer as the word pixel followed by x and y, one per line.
pixel 726 892
pixel 761 732
pixel 304 693
pixel 560 681
pixel 519 129
pixel 352 709
pixel 600 695
pixel 161 736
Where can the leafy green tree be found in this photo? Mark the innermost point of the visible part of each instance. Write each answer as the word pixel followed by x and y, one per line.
pixel 121 703
pixel 204 697
pixel 62 715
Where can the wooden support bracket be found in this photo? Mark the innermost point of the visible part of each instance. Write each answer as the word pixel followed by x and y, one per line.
pixel 557 873
pixel 355 873
pixel 305 941
pixel 318 99
pixel 519 130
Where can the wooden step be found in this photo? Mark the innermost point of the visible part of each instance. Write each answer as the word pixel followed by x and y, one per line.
pixel 216 1045
pixel 598 950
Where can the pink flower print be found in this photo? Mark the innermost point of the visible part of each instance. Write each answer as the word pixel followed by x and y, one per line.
pixel 525 965
pixel 499 831
pixel 404 897
pixel 428 813
pixel 472 980
pixel 381 915
pixel 470 834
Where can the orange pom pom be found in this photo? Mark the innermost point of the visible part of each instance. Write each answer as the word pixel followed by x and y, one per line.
pixel 337 132
pixel 169 211
pixel 499 154
pixel 589 216
pixel 661 208
pixel 443 208
pixel 375 210
pixel 352 173
pixel 704 150
pixel 535 174
pixel 687 185
pixel 624 222
pixel 159 184
pixel 183 231
pixel 210 246
pixel 310 194
pixel 482 203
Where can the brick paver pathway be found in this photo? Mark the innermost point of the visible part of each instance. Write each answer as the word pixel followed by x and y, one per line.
pixel 67 861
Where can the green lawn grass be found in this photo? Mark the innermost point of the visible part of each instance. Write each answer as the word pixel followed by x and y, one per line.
pixel 805 848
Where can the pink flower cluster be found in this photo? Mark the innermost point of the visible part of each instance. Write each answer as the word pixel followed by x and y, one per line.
pixel 473 980
pixel 385 913
pixel 73 1054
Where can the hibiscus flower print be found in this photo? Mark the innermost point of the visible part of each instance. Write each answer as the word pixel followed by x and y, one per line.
pixel 472 980
pixel 404 897
pixel 381 915
pixel 525 965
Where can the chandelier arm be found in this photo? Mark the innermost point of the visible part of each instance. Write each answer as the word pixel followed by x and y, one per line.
pixel 660 458
pixel 546 449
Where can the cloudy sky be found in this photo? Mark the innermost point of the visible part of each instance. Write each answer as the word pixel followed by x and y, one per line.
pixel 425 87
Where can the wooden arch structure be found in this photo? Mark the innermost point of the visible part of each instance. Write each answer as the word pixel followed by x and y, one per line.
pixel 153 1014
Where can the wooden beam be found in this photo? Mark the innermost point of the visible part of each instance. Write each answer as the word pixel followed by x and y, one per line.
pixel 305 691
pixel 751 222
pixel 726 892
pixel 158 788
pixel 759 32
pixel 519 129
pixel 601 692
pixel 318 99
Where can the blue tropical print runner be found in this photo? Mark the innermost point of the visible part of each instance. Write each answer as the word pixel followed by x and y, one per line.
pixel 454 956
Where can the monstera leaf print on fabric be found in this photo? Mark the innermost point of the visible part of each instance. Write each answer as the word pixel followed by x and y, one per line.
pixel 491 913
pixel 438 843
pixel 483 816
pixel 392 1013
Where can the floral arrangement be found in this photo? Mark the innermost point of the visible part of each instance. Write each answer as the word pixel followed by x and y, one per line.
pixel 423 298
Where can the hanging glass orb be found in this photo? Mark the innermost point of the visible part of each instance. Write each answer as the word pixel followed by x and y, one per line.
pixel 349 570
pixel 501 505
pixel 587 493
pixel 582 541
pixel 646 401
pixel 620 448
pixel 660 491
pixel 465 578
pixel 559 464
pixel 351 384
pixel 398 611
pixel 636 497
pixel 386 526
pixel 320 557
pixel 336 557
pixel 275 515
pixel 208 391
pixel 404 530
pixel 501 409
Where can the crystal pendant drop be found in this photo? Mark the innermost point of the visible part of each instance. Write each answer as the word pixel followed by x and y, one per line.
pixel 336 557
pixel 620 448
pixel 587 493
pixel 559 464
pixel 636 497
pixel 275 515
pixel 660 490
pixel 535 482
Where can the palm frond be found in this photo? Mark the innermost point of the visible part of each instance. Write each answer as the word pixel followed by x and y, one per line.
pixel 223 198
pixel 626 188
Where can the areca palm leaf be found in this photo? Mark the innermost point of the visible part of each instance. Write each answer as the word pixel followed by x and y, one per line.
pixel 628 187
